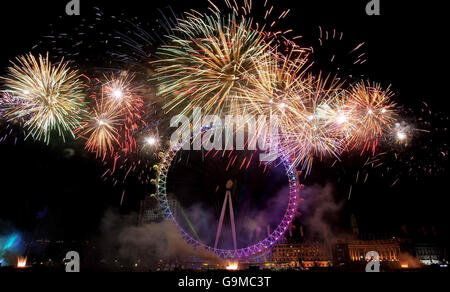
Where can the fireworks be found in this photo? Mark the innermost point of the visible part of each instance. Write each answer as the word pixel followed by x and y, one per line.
pixel 307 133
pixel 208 60
pixel 121 95
pixel 373 114
pixel 227 63
pixel 101 129
pixel 151 141
pixel 316 117
pixel 402 133
pixel 279 80
pixel 45 97
pixel 114 117
pixel 284 89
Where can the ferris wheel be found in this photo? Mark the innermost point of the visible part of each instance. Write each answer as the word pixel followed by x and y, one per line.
pixel 236 253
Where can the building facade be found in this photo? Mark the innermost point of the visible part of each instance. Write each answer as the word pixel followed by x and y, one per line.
pixel 388 249
pixel 304 255
pixel 431 254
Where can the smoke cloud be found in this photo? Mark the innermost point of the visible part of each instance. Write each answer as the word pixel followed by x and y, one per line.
pixel 320 213
pixel 147 243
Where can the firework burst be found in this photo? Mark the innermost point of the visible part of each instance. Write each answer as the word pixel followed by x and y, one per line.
pixel 123 97
pixel 101 129
pixel 207 61
pixel 284 89
pixel 373 114
pixel 44 96
pixel 278 80
pixel 114 117
pixel 306 132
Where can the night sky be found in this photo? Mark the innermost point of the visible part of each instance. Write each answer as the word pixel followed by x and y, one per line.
pixel 58 189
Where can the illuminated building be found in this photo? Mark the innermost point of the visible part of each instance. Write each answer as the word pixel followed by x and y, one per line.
pixel 430 254
pixel 388 249
pixel 301 255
